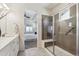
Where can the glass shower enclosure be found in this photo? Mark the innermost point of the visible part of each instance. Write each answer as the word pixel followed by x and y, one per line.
pixel 63 32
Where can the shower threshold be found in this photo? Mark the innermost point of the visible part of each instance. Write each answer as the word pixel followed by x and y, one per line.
pixel 59 51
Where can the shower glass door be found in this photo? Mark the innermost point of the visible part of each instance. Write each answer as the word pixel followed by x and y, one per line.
pixel 65 32
pixel 46 27
pixel 47 30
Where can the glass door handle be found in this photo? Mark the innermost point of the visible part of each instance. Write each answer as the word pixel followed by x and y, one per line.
pixel 69 31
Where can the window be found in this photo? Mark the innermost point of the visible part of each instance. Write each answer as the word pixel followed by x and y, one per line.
pixel 65 15
pixel 29 29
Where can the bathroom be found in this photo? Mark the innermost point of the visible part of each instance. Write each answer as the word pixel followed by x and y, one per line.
pixel 55 29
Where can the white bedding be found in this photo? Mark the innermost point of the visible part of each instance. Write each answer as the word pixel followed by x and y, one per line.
pixel 30 36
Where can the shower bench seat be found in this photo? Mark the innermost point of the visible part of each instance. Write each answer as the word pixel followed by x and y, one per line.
pixel 46 41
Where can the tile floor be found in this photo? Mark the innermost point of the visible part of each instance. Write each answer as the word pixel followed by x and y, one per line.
pixel 30 43
pixel 59 51
pixel 34 52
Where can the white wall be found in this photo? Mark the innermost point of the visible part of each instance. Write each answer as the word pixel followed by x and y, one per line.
pixel 18 10
pixel 19 13
pixel 60 7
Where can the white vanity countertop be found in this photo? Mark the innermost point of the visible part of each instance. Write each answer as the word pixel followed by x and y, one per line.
pixel 4 41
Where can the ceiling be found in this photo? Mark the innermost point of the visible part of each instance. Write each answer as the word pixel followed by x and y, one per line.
pixel 43 5
pixel 35 5
pixel 52 5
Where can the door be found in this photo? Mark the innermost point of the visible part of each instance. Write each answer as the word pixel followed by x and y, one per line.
pixel 46 27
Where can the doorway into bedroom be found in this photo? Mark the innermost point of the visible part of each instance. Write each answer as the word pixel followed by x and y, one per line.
pixel 30 31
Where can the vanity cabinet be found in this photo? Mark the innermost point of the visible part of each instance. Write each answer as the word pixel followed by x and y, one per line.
pixel 10 47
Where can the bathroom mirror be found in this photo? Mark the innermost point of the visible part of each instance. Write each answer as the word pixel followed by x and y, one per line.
pixel 3 26
pixel 12 26
pixel 8 24
pixel 3 21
